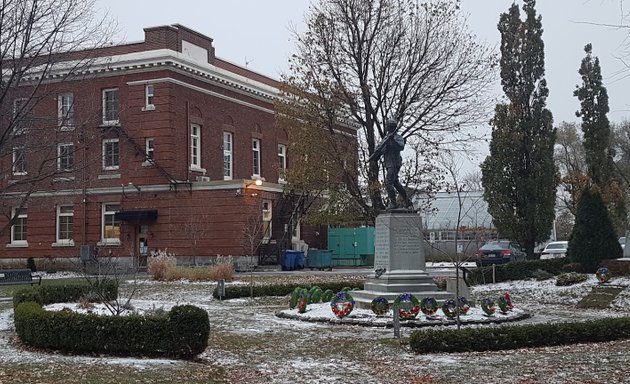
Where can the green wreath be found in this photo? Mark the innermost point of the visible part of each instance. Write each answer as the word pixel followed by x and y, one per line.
pixel 315 295
pixel 408 306
pixel 302 304
pixel 488 306
pixel 379 306
pixel 327 296
pixel 449 308
pixel 295 296
pixel 505 303
pixel 429 306
pixel 342 304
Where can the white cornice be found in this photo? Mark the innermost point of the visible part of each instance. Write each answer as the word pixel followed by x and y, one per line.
pixel 160 58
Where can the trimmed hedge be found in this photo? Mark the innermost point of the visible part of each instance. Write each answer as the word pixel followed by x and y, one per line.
pixel 517 270
pixel 182 332
pixel 49 294
pixel 238 291
pixel 521 336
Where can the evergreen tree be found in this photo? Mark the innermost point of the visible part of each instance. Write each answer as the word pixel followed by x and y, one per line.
pixel 593 237
pixel 597 132
pixel 519 176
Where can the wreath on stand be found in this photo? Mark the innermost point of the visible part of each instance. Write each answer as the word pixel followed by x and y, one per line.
pixel 464 307
pixel 408 306
pixel 450 307
pixel 429 306
pixel 603 275
pixel 379 306
pixel 342 304
pixel 505 303
pixel 488 306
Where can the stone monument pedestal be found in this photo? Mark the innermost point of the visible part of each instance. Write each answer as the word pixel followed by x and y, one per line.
pixel 399 263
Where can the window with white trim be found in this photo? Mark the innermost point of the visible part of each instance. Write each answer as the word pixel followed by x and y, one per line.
pixel 65 111
pixel 65 224
pixel 110 226
pixel 111 154
pixel 18 229
pixel 22 116
pixel 227 155
pixel 256 157
pixel 195 146
pixel 266 219
pixel 111 106
pixel 282 162
pixel 19 161
pixel 149 148
pixel 65 157
pixel 148 96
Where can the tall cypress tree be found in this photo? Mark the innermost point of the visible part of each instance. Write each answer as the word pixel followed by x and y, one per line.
pixel 596 131
pixel 593 237
pixel 519 175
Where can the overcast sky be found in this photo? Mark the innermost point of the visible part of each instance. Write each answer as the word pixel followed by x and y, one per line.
pixel 256 32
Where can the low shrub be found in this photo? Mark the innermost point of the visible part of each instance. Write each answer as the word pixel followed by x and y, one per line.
pixel 541 274
pixel 159 263
pixel 183 332
pixel 570 278
pixel 518 270
pixel 520 336
pixel 616 267
pixel 238 291
pixel 572 267
pixel 49 294
pixel 188 273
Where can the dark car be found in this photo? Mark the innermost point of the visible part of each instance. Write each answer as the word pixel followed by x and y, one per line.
pixel 499 252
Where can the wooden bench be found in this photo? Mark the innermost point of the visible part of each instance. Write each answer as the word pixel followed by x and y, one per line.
pixel 17 276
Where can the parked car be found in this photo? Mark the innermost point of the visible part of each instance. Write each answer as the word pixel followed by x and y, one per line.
pixel 499 252
pixel 555 250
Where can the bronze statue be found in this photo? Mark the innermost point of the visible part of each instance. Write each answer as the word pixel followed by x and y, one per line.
pixel 390 148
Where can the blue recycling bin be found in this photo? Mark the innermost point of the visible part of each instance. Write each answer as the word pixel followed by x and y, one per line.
pixel 288 260
pixel 292 260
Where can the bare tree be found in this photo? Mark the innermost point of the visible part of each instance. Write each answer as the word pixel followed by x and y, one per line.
pixel 43 43
pixel 362 62
pixel 194 230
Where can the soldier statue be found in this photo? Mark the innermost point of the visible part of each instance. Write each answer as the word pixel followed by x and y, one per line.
pixel 390 148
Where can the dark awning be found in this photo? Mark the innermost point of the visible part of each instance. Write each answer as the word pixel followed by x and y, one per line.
pixel 137 215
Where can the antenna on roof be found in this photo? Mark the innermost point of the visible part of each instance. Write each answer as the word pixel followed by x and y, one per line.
pixel 247 61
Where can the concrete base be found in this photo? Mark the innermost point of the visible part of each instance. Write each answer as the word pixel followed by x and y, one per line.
pixel 399 261
pixel 391 284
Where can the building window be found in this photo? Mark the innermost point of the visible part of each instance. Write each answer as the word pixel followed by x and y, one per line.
pixel 65 107
pixel 111 107
pixel 148 91
pixel 65 157
pixel 266 219
pixel 110 226
pixel 19 161
pixel 149 148
pixel 282 162
pixel 195 146
pixel 227 156
pixel 65 223
pixel 22 116
pixel 18 229
pixel 111 154
pixel 256 157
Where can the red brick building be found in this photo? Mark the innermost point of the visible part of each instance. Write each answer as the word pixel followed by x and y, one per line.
pixel 157 145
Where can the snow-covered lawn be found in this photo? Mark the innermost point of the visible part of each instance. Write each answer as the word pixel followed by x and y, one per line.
pixel 252 345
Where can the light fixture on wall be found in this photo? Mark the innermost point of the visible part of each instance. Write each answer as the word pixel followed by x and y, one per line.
pixel 255 180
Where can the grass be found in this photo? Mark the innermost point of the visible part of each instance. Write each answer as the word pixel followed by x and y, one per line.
pixel 599 298
pixel 102 374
